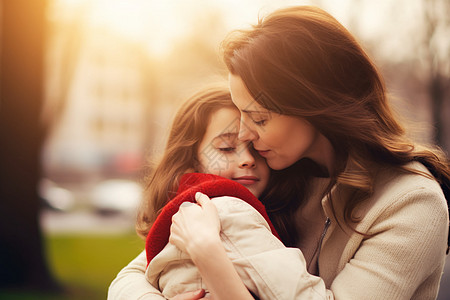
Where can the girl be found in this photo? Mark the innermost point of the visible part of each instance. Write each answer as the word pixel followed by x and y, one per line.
pixel 203 138
pixel 373 222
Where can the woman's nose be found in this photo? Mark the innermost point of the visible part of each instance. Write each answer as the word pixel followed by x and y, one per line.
pixel 246 133
pixel 246 159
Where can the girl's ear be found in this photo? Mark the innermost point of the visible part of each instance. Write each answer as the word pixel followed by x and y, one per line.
pixel 197 168
pixel 191 170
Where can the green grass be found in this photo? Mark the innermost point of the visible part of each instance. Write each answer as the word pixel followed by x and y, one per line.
pixel 84 265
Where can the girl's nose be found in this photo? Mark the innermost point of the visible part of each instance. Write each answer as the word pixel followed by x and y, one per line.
pixel 246 159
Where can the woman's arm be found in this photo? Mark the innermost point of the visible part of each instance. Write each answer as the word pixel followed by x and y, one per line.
pixel 405 253
pixel 402 255
pixel 202 242
pixel 130 284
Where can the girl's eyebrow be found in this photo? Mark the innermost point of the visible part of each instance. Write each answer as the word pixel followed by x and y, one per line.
pixel 226 135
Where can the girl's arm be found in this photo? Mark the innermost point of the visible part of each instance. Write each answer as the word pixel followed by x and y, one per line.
pixel 202 242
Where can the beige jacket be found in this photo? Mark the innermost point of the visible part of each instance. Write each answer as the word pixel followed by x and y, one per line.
pixel 266 267
pixel 400 256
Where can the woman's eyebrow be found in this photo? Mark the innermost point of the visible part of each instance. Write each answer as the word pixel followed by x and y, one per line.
pixel 248 111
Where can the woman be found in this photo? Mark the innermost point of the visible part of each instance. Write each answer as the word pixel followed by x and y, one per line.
pixel 373 221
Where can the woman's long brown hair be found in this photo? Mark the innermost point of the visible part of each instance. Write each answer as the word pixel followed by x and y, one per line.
pixel 302 62
pixel 180 153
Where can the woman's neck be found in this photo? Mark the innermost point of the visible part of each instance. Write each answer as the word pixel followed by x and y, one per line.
pixel 323 153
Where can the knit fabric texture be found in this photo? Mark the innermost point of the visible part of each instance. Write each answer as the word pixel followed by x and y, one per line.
pixel 190 184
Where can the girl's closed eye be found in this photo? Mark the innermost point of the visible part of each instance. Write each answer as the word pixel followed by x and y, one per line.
pixel 227 149
pixel 225 142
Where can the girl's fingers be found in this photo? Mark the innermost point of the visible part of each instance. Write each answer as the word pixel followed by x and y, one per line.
pixel 201 198
pixel 186 204
pixel 194 223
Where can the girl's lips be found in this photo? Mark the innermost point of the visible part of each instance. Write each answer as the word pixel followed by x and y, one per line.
pixel 246 180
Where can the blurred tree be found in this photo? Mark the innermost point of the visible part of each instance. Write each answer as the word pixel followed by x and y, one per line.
pixel 437 58
pixel 194 59
pixel 419 70
pixel 63 44
pixel 22 257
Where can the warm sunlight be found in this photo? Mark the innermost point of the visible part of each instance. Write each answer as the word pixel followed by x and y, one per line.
pixel 154 23
pixel 91 107
pixel 157 24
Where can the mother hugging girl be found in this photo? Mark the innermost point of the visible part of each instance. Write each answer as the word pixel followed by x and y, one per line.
pixel 363 208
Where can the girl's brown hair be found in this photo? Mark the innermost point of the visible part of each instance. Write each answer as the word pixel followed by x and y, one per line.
pixel 302 62
pixel 180 154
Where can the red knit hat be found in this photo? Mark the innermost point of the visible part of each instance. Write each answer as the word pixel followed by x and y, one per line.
pixel 212 186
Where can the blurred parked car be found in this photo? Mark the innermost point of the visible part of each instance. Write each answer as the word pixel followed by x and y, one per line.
pixel 116 196
pixel 54 196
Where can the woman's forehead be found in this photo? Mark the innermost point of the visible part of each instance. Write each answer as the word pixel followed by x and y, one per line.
pixel 241 97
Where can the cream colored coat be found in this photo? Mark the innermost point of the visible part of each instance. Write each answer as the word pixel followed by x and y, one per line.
pixel 401 257
pixel 255 252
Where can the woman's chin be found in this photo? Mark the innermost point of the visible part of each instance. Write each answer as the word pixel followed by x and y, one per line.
pixel 275 164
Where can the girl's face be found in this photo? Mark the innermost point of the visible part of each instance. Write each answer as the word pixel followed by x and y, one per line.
pixel 281 139
pixel 221 153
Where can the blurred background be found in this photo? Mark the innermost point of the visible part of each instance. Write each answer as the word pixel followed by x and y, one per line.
pixel 89 87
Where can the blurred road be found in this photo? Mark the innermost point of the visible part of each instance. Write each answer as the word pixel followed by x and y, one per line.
pixel 85 222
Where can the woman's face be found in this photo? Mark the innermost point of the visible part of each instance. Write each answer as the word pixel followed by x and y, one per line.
pixel 221 153
pixel 282 140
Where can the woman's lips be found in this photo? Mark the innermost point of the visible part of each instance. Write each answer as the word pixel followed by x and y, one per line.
pixel 246 180
pixel 263 153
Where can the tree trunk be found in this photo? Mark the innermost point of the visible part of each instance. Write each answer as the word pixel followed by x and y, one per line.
pixel 22 256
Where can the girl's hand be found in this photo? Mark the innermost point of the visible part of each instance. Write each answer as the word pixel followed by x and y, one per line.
pixel 194 226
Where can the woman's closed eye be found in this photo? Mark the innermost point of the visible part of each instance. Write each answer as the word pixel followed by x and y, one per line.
pixel 261 122
pixel 259 118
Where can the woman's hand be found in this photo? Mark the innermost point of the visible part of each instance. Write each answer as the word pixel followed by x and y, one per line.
pixel 194 226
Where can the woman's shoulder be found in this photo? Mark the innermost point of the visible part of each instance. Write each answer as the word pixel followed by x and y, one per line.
pixel 395 183
pixel 411 206
pixel 397 192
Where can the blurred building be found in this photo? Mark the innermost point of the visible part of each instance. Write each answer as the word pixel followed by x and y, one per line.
pixel 103 126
